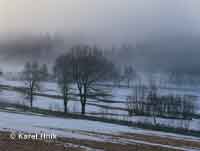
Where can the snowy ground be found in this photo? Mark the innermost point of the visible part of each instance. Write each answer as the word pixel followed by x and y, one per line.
pixel 60 126
pixel 118 98
pixel 87 130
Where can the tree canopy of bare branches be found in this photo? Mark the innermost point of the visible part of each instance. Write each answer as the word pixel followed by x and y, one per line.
pixel 86 66
pixel 32 76
pixel 89 66
pixel 129 74
pixel 63 73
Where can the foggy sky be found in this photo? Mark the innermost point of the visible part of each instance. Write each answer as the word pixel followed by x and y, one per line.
pixel 104 22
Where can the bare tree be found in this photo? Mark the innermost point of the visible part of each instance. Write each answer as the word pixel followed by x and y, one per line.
pixel 130 105
pixel 153 97
pixel 44 72
pixel 32 77
pixel 129 74
pixel 63 73
pixel 89 67
pixel 136 101
pixel 188 107
pixel 117 77
pixel 1 72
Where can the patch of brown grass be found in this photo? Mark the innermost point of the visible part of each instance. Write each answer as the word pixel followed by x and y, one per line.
pixel 162 140
pixel 6 144
pixel 107 146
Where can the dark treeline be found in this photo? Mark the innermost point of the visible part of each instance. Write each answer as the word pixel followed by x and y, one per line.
pixel 176 54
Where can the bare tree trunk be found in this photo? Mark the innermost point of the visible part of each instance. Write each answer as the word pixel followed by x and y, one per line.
pixel 154 119
pixel 65 105
pixel 31 97
pixel 83 108
pixel 31 100
pixel 136 99
pixel 84 100
pixel 81 95
pixel 128 83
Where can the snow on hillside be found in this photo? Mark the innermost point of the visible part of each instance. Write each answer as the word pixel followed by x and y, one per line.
pixel 51 103
pixel 67 127
pixel 60 127
pixel 100 108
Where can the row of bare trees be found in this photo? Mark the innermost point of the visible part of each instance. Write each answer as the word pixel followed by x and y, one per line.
pixel 82 66
pixel 148 101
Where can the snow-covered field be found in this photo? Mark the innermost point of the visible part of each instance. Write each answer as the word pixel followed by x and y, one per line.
pixel 65 127
pixel 38 123
pixel 118 97
pixel 85 130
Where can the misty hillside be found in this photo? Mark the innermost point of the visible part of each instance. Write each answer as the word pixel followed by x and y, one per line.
pixel 171 53
pixel 174 54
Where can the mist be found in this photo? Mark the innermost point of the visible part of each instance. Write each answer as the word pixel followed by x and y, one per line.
pixel 154 28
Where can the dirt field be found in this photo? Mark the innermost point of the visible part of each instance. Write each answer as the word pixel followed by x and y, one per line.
pixel 125 142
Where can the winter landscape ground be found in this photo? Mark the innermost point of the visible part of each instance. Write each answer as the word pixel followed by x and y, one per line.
pixel 86 135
